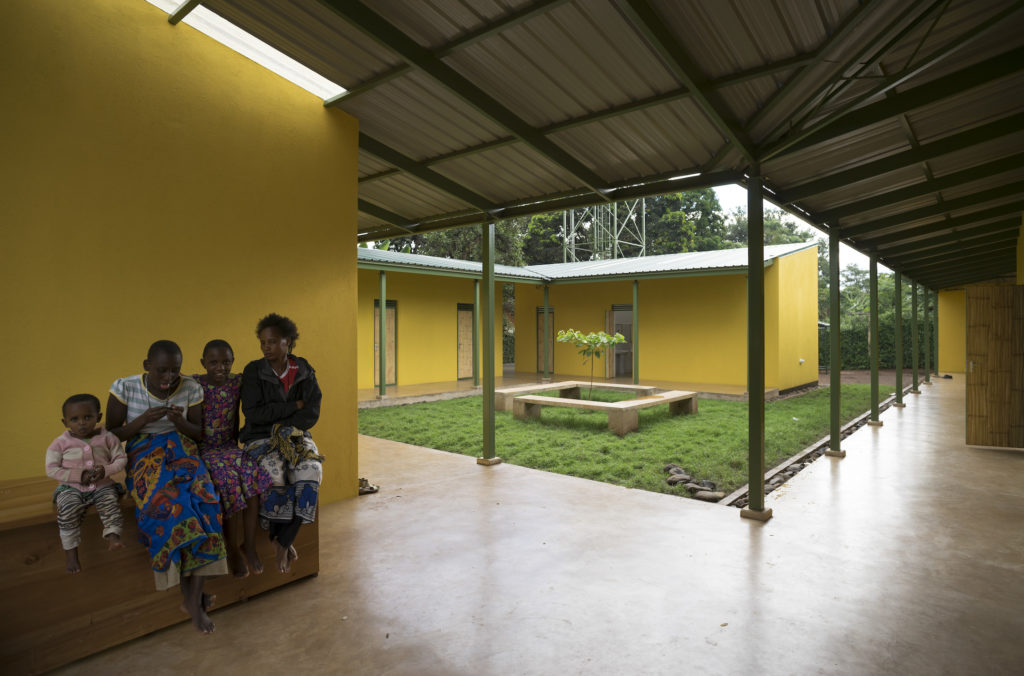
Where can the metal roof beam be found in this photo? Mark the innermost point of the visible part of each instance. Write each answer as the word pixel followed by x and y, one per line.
pixel 960 236
pixel 872 243
pixel 376 27
pixel 653 28
pixel 975 260
pixel 965 247
pixel 181 11
pixel 929 61
pixel 941 183
pixel 971 277
pixel 389 217
pixel 429 176
pixel 1009 190
pixel 950 144
pixel 469 38
pixel 944 87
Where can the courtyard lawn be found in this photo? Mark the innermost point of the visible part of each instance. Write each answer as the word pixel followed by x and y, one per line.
pixel 710 445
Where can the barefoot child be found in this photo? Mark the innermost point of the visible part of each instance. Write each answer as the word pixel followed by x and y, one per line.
pixel 239 479
pixel 159 415
pixel 82 460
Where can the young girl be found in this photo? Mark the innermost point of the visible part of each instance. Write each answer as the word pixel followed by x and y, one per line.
pixel 238 478
pixel 159 416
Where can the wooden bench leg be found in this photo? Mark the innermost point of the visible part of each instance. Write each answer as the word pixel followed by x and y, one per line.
pixel 683 406
pixel 502 401
pixel 571 393
pixel 623 421
pixel 524 410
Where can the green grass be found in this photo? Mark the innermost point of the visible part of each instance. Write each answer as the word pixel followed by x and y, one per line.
pixel 710 445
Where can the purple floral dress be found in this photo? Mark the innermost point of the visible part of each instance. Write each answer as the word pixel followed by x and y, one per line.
pixel 236 476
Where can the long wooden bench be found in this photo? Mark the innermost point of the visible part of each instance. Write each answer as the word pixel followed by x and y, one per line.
pixel 570 389
pixel 623 416
pixel 52 617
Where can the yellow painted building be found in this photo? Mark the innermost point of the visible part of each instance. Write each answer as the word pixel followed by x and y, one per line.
pixel 156 184
pixel 691 313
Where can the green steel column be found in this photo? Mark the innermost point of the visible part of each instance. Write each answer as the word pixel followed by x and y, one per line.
pixel 487 356
pixel 935 334
pixel 899 340
pixel 873 340
pixel 755 349
pixel 927 338
pixel 476 333
pixel 835 363
pixel 913 339
pixel 382 334
pixel 636 332
pixel 547 332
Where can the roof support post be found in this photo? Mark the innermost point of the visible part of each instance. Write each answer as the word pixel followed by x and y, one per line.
pixel 755 348
pixel 927 337
pixel 181 11
pixel 935 365
pixel 636 332
pixel 487 357
pixel 835 363
pixel 898 282
pixel 476 333
pixel 913 340
pixel 382 338
pixel 873 341
pixel 547 332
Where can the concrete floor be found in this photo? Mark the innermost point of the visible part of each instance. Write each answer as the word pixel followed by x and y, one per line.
pixel 905 557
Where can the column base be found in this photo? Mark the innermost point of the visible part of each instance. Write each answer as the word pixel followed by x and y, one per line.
pixel 382 396
pixel 835 454
pixel 488 461
pixel 927 382
pixel 874 423
pixel 915 391
pixel 899 404
pixel 757 515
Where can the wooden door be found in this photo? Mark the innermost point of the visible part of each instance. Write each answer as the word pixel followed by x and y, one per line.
pixel 392 339
pixel 995 365
pixel 540 340
pixel 464 331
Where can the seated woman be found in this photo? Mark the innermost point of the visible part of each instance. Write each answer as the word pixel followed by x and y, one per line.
pixel 158 414
pixel 281 403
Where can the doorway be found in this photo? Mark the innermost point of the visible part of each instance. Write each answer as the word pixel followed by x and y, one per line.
pixel 620 320
pixel 391 367
pixel 540 339
pixel 464 330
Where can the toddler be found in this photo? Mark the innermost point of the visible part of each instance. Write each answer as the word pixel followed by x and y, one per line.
pixel 82 460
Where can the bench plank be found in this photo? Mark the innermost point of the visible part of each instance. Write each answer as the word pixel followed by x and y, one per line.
pixel 623 416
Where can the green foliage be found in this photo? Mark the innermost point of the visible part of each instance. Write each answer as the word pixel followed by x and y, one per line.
pixel 591 346
pixel 465 243
pixel 542 242
pixel 710 445
pixel 779 228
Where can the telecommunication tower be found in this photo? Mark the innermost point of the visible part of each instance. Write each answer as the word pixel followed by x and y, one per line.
pixel 605 231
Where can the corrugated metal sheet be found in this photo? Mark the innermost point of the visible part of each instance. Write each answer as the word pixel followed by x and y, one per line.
pixel 413 262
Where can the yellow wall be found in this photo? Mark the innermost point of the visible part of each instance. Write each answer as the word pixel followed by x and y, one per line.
pixel 427 330
pixel 158 185
pixel 952 309
pixel 791 308
pixel 692 329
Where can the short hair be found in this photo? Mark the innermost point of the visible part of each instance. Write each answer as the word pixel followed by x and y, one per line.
pixel 168 347
pixel 80 399
pixel 215 343
pixel 284 326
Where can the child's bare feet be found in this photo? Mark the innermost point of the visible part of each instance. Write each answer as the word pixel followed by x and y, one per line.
pixel 284 560
pixel 208 602
pixel 114 541
pixel 253 559
pixel 292 554
pixel 241 570
pixel 200 620
pixel 71 556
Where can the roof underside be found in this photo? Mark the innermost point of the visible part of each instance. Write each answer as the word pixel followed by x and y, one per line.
pixel 901 122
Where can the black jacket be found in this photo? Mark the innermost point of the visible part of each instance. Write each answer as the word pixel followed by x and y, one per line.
pixel 264 402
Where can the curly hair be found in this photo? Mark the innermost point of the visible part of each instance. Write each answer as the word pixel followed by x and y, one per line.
pixel 282 325
pixel 215 343
pixel 80 399
pixel 168 347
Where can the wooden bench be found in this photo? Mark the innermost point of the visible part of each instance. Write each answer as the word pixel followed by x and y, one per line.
pixel 52 617
pixel 623 416
pixel 566 388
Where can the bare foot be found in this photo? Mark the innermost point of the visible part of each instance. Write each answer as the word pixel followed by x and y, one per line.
pixel 114 542
pixel 292 554
pixel 253 559
pixel 208 602
pixel 71 556
pixel 238 565
pixel 200 620
pixel 284 561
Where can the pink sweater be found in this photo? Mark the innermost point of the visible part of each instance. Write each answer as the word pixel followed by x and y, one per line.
pixel 67 456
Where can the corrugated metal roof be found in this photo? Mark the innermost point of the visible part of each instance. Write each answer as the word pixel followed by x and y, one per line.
pixel 520 100
pixel 676 265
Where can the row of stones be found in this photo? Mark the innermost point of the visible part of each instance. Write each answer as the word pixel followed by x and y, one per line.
pixel 701 490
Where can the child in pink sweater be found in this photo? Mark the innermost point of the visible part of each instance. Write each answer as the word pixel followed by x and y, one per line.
pixel 82 460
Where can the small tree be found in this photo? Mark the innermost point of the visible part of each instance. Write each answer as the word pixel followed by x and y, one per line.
pixel 592 346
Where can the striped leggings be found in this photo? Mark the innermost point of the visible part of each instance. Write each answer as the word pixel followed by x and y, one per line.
pixel 71 506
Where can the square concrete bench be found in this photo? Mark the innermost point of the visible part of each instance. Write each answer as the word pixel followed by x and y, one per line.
pixel 62 617
pixel 623 416
pixel 569 389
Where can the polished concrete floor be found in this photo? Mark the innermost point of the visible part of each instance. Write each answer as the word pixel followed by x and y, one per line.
pixel 905 557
